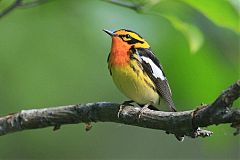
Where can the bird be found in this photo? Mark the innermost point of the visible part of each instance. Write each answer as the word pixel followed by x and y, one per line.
pixel 137 72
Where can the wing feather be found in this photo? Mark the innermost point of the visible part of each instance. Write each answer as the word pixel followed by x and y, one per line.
pixel 153 68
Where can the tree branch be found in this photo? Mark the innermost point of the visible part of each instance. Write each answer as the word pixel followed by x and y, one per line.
pixel 21 4
pixel 32 3
pixel 130 5
pixel 181 123
pixel 11 7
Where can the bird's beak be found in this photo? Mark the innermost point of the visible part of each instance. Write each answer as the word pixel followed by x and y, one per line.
pixel 111 33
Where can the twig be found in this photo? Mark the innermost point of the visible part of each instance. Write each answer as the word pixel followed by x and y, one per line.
pixel 130 5
pixel 21 4
pixel 10 8
pixel 32 3
pixel 180 123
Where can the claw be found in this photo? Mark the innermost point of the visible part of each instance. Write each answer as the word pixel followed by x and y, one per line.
pixel 120 110
pixel 145 107
pixel 122 105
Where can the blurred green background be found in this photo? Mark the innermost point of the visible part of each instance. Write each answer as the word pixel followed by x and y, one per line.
pixel 55 54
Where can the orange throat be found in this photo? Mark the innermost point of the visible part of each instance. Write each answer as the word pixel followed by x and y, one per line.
pixel 119 55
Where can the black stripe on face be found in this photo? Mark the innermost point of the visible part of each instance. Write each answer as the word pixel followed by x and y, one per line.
pixel 127 30
pixel 134 41
pixel 131 40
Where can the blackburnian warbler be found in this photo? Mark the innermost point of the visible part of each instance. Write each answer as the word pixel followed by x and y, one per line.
pixel 137 72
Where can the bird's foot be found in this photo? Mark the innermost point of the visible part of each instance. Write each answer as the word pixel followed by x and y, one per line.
pixel 122 105
pixel 145 107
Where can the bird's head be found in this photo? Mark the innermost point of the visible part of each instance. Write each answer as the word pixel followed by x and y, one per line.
pixel 127 38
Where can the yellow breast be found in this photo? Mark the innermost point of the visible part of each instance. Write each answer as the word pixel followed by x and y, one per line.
pixel 135 84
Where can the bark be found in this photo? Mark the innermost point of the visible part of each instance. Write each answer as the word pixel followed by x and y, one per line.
pixel 181 123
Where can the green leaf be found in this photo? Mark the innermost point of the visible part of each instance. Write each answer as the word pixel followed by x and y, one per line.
pixel 191 32
pixel 222 12
pixel 174 13
pixel 182 14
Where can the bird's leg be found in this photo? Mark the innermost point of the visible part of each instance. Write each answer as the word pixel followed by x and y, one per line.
pixel 145 107
pixel 124 104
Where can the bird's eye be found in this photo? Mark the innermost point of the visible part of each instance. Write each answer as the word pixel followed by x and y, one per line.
pixel 128 36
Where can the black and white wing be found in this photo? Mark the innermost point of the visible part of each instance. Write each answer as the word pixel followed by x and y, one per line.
pixel 153 68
